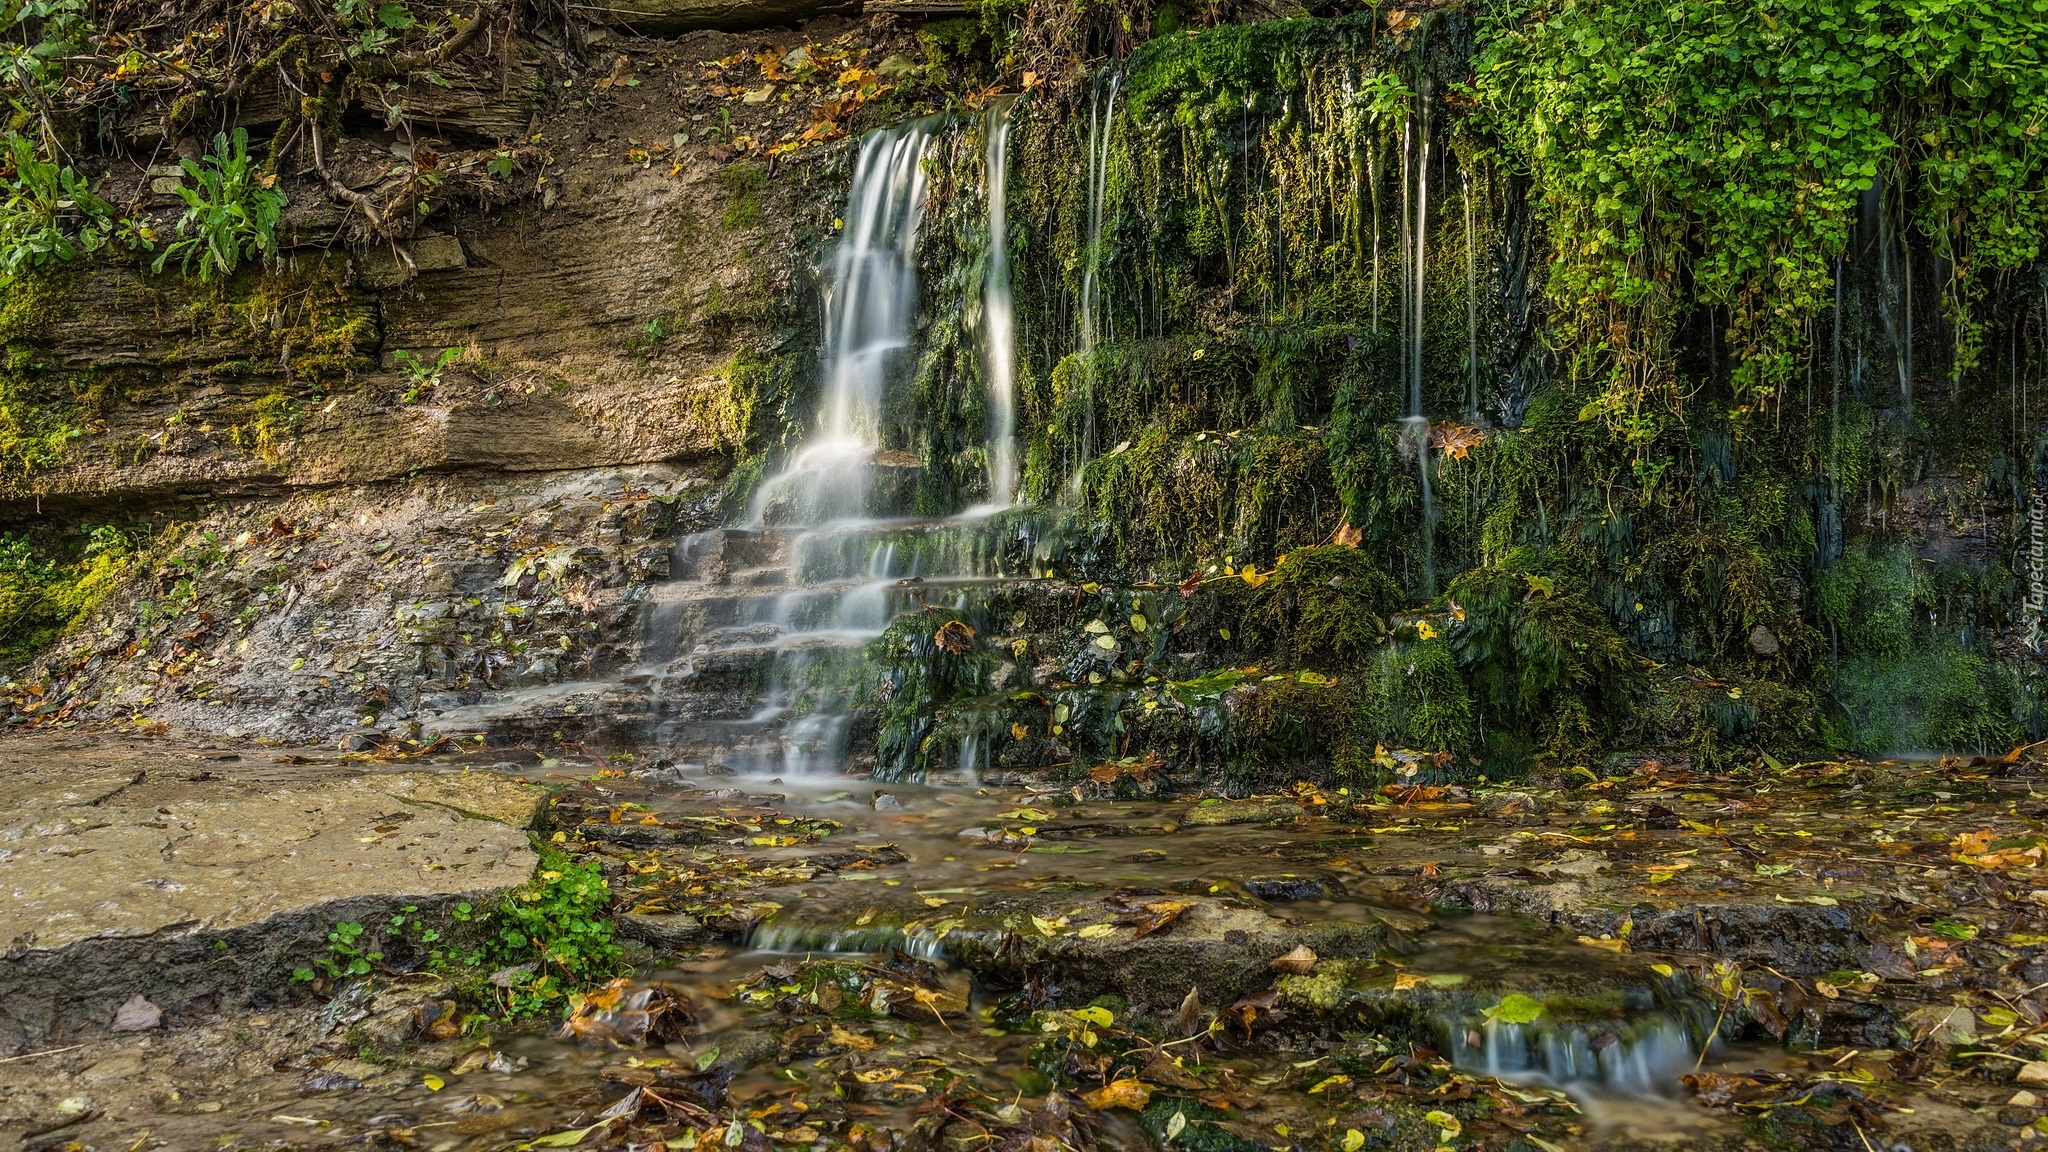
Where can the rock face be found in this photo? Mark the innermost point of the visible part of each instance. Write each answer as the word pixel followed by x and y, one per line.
pixel 667 17
pixel 192 881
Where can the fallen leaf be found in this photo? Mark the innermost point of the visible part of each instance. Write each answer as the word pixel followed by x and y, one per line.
pixel 1298 961
pixel 954 636
pixel 1132 1094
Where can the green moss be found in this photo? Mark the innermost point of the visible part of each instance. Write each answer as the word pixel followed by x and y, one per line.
pixel 743 184
pixel 47 589
pixel 1323 607
pixel 1416 697
pixel 1542 658
pixel 924 665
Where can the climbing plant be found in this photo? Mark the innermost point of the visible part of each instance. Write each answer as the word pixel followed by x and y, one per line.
pixel 1708 155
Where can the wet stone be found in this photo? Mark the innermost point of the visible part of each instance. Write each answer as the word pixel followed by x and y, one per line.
pixel 1212 813
pixel 209 887
pixel 668 930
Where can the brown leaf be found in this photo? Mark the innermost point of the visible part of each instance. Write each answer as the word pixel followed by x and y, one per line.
pixel 954 636
pixel 1349 537
pixel 1161 1070
pixel 1297 961
pixel 1164 913
pixel 622 73
pixel 1454 440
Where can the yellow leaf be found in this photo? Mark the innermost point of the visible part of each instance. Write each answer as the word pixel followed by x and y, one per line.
pixel 1327 1083
pixel 1615 946
pixel 1098 931
pixel 1445 1121
pixel 433 1082
pixel 1098 1016
pixel 1120 1094
pixel 1353 1138
pixel 877 1075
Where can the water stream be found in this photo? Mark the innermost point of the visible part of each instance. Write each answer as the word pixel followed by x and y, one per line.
pixel 999 325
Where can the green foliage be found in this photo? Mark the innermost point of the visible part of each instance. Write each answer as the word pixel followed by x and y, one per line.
pixel 1298 727
pixel 374 25
pixel 1940 698
pixel 1322 607
pixel 1416 697
pixel 423 376
pixel 348 955
pixel 41 596
pixel 38 38
pixel 923 664
pixel 48 213
pixel 1707 155
pixel 1542 658
pixel 556 923
pixel 230 216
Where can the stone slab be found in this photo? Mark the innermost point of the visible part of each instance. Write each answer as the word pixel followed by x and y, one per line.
pixel 130 873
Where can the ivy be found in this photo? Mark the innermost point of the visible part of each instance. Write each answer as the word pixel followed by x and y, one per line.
pixel 1708 154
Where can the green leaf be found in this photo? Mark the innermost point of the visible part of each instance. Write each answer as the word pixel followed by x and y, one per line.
pixel 1515 1008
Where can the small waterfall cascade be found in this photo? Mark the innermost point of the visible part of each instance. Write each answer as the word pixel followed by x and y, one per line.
pixel 999 319
pixel 1471 304
pixel 773 614
pixel 870 305
pixel 1642 1061
pixel 749 649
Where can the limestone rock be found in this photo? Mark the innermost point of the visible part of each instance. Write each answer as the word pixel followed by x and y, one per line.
pixel 664 930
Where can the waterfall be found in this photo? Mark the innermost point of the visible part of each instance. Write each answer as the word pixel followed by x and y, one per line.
pixel 999 329
pixel 1373 180
pixel 1471 306
pixel 1643 1060
pixel 870 306
pixel 1415 173
pixel 1101 117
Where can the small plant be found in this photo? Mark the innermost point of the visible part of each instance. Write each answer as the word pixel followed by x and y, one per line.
pixel 501 166
pixel 232 214
pixel 421 375
pixel 348 954
pixel 48 213
pixel 374 24
pixel 556 924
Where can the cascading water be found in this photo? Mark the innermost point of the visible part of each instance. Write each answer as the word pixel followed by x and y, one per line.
pixel 1471 305
pixel 870 305
pixel 777 610
pixel 1644 1060
pixel 1415 238
pixel 999 327
pixel 806 580
pixel 1101 120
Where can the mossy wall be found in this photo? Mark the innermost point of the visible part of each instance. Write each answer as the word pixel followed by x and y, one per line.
pixel 1700 475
